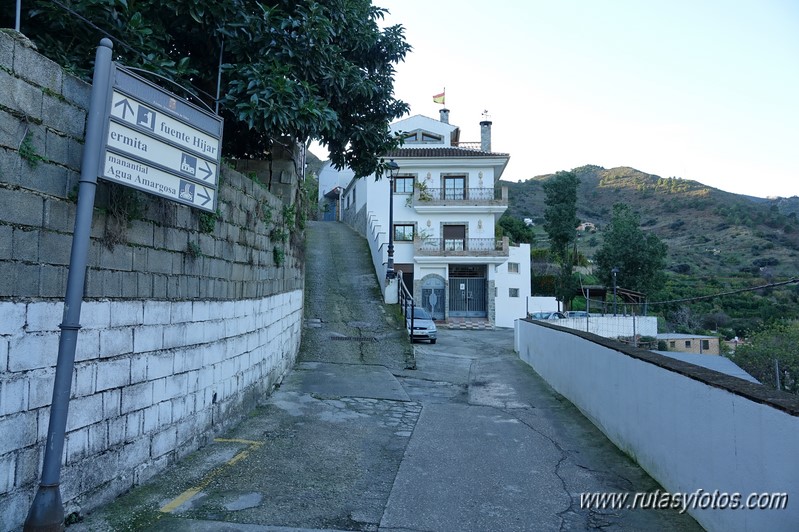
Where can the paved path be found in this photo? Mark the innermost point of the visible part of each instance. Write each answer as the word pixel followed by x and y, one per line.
pixel 471 439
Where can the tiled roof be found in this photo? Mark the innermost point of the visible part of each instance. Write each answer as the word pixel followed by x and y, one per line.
pixel 441 151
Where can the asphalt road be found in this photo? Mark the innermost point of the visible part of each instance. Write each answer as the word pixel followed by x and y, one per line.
pixel 364 434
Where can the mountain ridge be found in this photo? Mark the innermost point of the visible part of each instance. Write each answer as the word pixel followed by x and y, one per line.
pixel 709 232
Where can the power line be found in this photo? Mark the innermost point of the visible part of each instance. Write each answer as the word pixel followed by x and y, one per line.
pixel 728 293
pixel 712 296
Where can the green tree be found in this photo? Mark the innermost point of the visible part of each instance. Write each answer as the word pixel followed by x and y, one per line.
pixel 292 69
pixel 515 229
pixel 639 256
pixel 776 342
pixel 560 222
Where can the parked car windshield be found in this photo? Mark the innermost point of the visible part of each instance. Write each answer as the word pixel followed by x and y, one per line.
pixel 421 314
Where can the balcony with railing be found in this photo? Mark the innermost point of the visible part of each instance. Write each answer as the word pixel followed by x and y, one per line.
pixel 462 247
pixel 460 197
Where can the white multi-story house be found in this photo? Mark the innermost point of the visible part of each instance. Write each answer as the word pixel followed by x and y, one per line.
pixel 446 206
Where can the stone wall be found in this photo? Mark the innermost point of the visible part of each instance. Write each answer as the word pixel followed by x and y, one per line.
pixel 357 219
pixel 188 319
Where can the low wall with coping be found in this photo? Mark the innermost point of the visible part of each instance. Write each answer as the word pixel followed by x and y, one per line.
pixel 689 427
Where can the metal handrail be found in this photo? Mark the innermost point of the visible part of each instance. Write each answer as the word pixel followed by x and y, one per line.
pixel 406 301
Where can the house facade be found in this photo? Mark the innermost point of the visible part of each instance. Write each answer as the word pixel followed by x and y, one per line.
pixel 445 208
pixel 691 343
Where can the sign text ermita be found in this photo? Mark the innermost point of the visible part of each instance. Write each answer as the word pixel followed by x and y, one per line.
pixel 161 144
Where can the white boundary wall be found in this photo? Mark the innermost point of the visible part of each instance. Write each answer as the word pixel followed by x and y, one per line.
pixel 153 381
pixel 689 427
pixel 508 309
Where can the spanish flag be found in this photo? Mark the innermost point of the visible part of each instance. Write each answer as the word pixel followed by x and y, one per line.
pixel 439 98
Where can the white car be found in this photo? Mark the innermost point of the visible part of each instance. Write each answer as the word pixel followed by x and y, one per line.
pixel 547 315
pixel 424 328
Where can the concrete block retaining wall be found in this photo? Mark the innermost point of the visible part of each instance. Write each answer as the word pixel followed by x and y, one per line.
pixel 187 319
pixel 143 393
pixel 689 427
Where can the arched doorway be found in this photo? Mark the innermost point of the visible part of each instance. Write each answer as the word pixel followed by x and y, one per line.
pixel 433 294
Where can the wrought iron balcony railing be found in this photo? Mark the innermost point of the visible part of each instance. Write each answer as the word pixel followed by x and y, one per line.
pixel 462 196
pixel 462 247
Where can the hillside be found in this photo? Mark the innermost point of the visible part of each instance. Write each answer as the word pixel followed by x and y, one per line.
pixel 710 233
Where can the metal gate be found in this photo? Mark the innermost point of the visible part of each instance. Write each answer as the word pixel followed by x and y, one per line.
pixel 433 293
pixel 467 297
pixel 330 212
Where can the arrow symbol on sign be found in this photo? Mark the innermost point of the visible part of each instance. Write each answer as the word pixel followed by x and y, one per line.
pixel 125 107
pixel 207 196
pixel 207 170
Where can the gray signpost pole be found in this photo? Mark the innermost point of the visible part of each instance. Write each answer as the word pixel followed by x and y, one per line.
pixel 47 510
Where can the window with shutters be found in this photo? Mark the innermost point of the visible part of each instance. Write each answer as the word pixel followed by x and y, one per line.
pixel 454 237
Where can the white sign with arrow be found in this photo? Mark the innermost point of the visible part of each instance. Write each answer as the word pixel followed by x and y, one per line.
pixel 134 174
pixel 163 126
pixel 160 143
pixel 129 141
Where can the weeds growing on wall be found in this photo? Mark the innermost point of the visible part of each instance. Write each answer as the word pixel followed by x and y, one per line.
pixel 124 206
pixel 279 234
pixel 264 212
pixel 208 220
pixel 28 151
pixel 279 255
pixel 193 250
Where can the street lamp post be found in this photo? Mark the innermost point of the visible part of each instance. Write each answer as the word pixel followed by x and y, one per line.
pixel 614 271
pixel 393 170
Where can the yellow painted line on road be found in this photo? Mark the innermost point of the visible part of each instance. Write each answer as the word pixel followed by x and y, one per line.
pixel 234 440
pixel 191 492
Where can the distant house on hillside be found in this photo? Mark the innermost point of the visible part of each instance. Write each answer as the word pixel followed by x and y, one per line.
pixel 691 343
pixel 586 226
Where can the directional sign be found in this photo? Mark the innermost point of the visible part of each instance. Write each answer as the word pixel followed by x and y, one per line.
pixel 132 173
pixel 163 126
pixel 159 143
pixel 166 102
pixel 131 142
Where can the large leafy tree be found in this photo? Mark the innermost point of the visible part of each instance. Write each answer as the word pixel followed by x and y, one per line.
pixel 639 256
pixel 560 222
pixel 292 69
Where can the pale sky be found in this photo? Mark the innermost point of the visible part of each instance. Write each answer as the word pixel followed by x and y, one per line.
pixel 700 89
